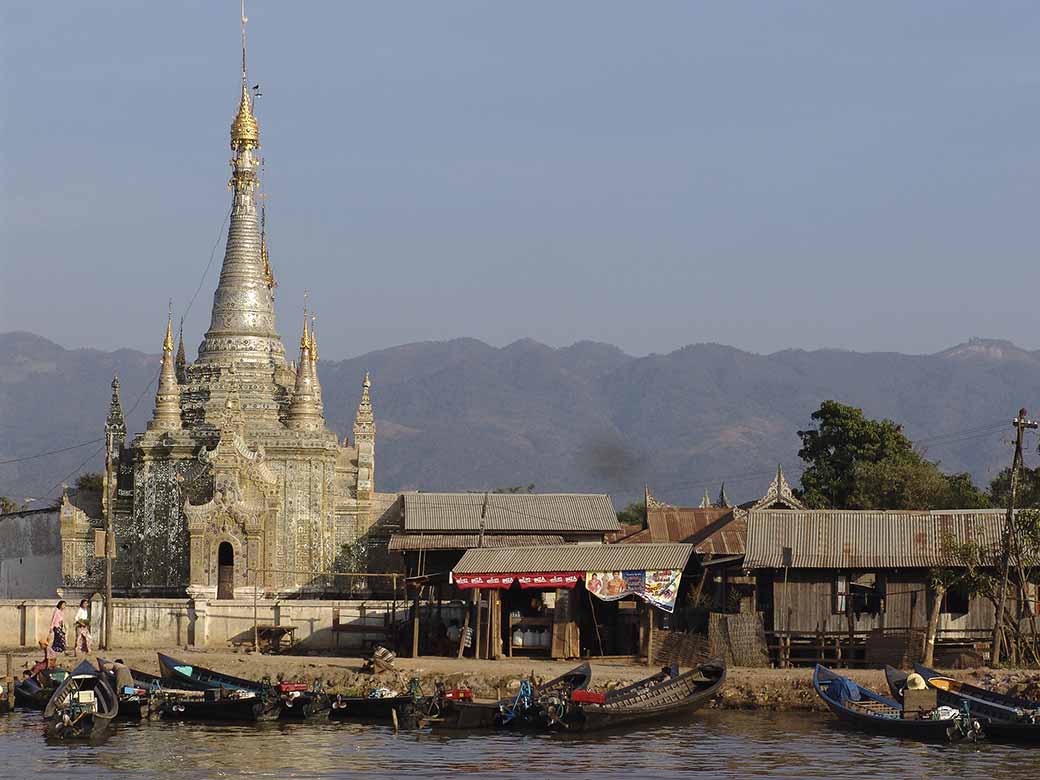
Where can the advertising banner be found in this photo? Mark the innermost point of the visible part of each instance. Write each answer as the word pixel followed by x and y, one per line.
pixel 613 585
pixel 463 581
pixel 658 587
pixel 550 580
pixel 546 580
pixel 661 587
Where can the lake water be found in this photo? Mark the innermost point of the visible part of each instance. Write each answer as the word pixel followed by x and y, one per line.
pixel 713 744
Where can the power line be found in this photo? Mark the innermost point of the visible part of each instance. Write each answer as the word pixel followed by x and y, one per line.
pixel 50 452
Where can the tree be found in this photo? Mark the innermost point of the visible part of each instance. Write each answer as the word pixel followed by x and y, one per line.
pixel 1028 494
pixel 90 481
pixel 7 505
pixel 859 463
pixel 633 514
pixel 842 441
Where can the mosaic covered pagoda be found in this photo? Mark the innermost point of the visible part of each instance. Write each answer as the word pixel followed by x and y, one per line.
pixel 237 481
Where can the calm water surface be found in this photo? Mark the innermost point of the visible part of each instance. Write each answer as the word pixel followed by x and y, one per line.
pixel 716 744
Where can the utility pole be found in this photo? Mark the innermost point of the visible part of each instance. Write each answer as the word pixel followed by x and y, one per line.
pixel 1020 423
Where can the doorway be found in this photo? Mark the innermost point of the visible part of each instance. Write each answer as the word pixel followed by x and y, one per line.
pixel 225 571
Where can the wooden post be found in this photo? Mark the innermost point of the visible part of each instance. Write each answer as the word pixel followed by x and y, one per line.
pixel 415 622
pixel 1020 423
pixel 465 624
pixel 476 628
pixel 10 681
pixel 649 639
pixel 933 625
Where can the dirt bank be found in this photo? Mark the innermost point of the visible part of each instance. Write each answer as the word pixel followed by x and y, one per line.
pixel 772 689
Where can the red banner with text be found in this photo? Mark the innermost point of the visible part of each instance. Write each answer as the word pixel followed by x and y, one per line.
pixel 547 580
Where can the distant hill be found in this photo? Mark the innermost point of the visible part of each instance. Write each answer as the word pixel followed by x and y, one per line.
pixel 463 415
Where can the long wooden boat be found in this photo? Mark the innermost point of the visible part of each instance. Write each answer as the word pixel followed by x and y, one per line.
pixel 667 694
pixel 83 707
pixel 1003 718
pixel 869 711
pixel 381 709
pixel 33 692
pixel 217 696
pixel 444 712
pixel 295 701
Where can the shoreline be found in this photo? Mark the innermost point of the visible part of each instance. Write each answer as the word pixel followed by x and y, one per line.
pixel 778 690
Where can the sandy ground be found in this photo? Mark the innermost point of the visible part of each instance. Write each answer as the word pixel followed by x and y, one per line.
pixel 775 689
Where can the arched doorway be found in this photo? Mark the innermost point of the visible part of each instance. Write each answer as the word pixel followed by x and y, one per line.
pixel 225 571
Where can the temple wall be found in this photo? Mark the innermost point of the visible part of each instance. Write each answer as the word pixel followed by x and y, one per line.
pixel 170 623
pixel 30 554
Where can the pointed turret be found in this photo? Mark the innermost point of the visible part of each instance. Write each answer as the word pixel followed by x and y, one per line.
pixel 723 501
pixel 167 416
pixel 705 501
pixel 305 410
pixel 365 441
pixel 181 363
pixel 115 435
pixel 314 358
pixel 115 425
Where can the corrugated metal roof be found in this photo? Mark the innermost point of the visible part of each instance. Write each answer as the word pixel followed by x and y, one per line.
pixel 866 539
pixel 574 557
pixel 713 531
pixel 402 542
pixel 545 512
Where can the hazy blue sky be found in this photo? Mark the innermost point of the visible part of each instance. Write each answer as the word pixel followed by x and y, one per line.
pixel 766 175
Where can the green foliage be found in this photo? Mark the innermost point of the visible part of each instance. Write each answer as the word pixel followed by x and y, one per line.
pixel 8 505
pixel 90 481
pixel 633 514
pixel 859 463
pixel 1028 494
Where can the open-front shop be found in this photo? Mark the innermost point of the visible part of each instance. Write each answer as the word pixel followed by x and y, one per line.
pixel 570 601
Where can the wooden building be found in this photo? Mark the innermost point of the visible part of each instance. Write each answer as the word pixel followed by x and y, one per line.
pixel 849 578
pixel 573 600
pixel 437 528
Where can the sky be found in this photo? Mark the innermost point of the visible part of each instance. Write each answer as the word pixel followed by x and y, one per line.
pixel 766 175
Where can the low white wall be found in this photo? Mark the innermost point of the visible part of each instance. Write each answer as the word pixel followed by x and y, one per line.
pixel 158 623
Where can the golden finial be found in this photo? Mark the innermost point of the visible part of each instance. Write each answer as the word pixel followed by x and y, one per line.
pixel 314 338
pixel 167 344
pixel 305 339
pixel 268 274
pixel 367 383
pixel 245 131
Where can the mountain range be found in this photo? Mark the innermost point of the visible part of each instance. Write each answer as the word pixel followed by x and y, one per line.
pixel 464 415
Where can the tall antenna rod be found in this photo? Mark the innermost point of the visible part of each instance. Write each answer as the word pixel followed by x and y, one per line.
pixel 244 20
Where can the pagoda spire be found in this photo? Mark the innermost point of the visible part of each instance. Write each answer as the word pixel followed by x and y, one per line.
pixel 705 500
pixel 305 409
pixel 167 416
pixel 181 361
pixel 365 441
pixel 364 420
pixel 115 425
pixel 242 326
pixel 723 501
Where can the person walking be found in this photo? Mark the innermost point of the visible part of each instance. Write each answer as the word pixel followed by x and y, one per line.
pixel 83 628
pixel 59 643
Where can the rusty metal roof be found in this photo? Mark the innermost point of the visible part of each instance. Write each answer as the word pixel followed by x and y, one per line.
pixel 574 557
pixel 403 542
pixel 854 539
pixel 538 512
pixel 712 531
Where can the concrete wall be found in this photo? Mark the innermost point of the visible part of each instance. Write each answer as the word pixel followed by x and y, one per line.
pixel 30 554
pixel 168 623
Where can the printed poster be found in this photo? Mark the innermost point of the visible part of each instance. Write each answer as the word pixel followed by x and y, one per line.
pixel 614 585
pixel 661 587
